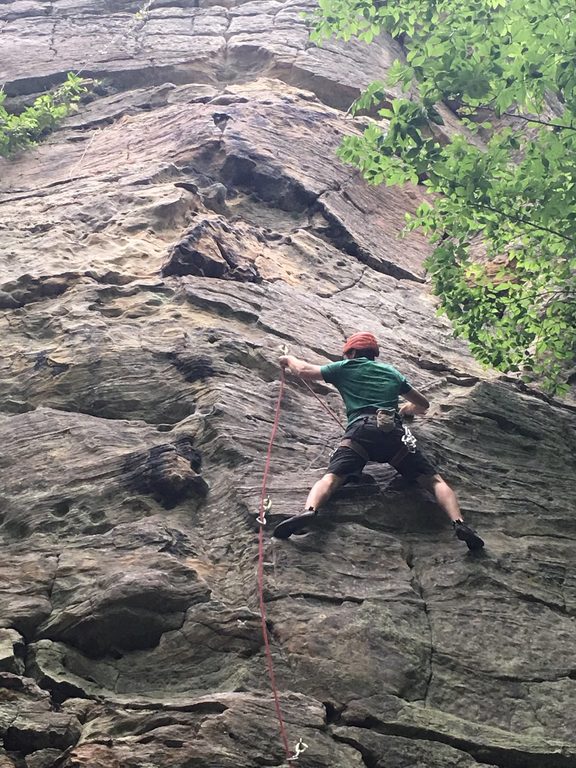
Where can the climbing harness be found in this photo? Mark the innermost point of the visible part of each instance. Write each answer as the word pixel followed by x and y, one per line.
pixel 264 507
pixel 385 419
pixel 346 442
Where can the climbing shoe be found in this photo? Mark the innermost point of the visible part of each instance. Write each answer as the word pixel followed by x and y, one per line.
pixel 294 524
pixel 467 534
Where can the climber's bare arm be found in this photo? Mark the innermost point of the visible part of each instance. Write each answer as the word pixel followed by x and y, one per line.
pixel 416 405
pixel 301 368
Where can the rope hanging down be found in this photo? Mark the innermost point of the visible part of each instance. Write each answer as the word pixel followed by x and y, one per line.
pixel 329 411
pixel 326 407
pixel 263 508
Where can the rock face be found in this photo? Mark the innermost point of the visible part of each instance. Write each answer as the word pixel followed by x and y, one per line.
pixel 154 259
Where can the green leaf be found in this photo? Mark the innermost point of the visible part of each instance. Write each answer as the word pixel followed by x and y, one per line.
pixel 35 122
pixel 502 213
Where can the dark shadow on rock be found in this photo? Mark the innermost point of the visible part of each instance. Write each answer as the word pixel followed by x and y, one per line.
pixel 360 480
pixel 43 361
pixel 170 472
pixel 192 367
pixel 211 249
pixel 27 289
pixel 272 186
pixel 355 490
pixel 479 554
pixel 128 605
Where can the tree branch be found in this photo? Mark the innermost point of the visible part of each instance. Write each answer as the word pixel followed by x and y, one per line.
pixel 521 117
pixel 521 220
pixel 504 214
pixel 541 122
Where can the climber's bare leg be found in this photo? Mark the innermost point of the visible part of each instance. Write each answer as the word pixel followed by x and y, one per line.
pixel 322 490
pixel 444 495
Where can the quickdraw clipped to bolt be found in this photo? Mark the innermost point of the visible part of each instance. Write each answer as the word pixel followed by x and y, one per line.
pixel 266 507
pixel 298 749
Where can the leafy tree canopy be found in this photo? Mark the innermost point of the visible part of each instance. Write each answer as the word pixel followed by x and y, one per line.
pixel 37 121
pixel 502 210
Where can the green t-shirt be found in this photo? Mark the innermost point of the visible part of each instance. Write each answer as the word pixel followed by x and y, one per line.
pixel 365 384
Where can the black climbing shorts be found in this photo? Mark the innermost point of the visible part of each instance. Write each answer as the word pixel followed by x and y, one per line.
pixel 381 447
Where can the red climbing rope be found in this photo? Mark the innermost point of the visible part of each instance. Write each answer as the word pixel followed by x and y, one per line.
pixel 263 507
pixel 323 404
pixel 262 521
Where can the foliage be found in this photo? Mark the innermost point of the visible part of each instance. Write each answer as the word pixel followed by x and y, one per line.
pixel 37 121
pixel 502 209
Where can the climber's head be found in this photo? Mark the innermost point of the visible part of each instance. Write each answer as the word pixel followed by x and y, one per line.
pixel 361 345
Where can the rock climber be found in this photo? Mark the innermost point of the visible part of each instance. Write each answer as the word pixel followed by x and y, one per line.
pixel 375 432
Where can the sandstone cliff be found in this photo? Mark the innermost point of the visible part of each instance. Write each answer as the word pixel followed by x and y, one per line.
pixel 151 266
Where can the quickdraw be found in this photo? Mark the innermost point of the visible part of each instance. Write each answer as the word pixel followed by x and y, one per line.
pixel 265 506
pixel 298 749
pixel 409 440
